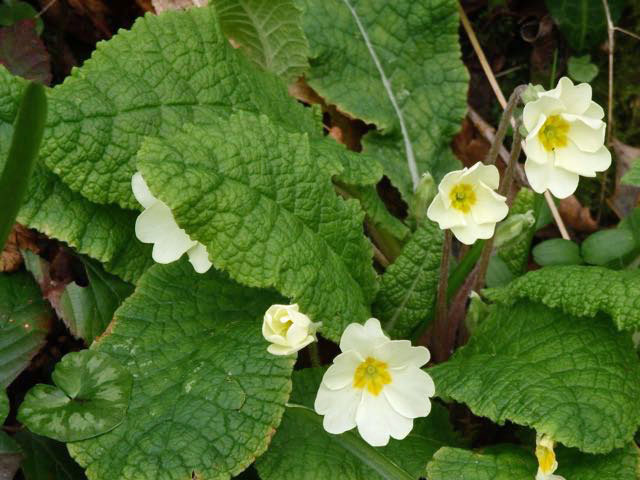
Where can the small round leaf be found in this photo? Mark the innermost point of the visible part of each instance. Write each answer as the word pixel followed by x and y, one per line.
pixel 91 398
pixel 557 251
pixel 605 246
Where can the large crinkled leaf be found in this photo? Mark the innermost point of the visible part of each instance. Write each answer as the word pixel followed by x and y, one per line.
pixel 579 290
pixel 575 379
pixel 508 462
pixel 416 44
pixel 409 287
pixel 166 71
pixel 105 233
pixel 267 213
pixel 206 396
pixel 303 446
pixel 46 459
pixel 24 324
pixel 352 168
pixel 269 32
pixel 90 398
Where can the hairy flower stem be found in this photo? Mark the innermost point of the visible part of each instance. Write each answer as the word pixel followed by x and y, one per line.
pixel 441 305
pixel 505 187
pixel 492 155
pixel 314 355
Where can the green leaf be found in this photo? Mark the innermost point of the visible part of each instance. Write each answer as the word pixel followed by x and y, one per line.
pixel 353 168
pixel 24 324
pixel 416 44
pixel 46 459
pixel 574 379
pixel 90 399
pixel 509 462
pixel 409 286
pixel 105 233
pixel 605 246
pixel 632 177
pixel 376 210
pixel 22 156
pixel 88 310
pixel 579 290
pixel 166 71
pixel 253 195
pixel 269 32
pixel 302 445
pixel 583 22
pixel 557 251
pixel 207 395
pixel 4 406
pixel 581 69
pixel 498 273
pixel 10 456
pixel 15 10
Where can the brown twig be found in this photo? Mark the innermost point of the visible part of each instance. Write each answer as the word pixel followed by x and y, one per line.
pixel 441 305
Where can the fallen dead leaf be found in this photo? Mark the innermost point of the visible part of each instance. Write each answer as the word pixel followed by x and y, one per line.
pixel 625 197
pixel 162 5
pixel 576 216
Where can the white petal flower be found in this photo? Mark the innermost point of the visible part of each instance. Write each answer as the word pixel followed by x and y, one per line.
pixel 467 203
pixel 287 329
pixel 547 463
pixel 375 384
pixel 156 225
pixel 565 138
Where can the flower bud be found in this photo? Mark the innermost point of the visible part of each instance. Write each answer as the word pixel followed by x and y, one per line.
pixel 425 193
pixel 513 226
pixel 287 329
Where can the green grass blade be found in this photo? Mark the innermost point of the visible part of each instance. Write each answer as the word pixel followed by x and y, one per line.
pixel 23 153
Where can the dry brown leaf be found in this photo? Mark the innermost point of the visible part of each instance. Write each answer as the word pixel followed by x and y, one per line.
pixel 96 10
pixel 20 238
pixel 576 216
pixel 626 197
pixel 162 5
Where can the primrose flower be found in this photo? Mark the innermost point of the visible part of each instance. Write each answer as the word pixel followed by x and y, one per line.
pixel 375 384
pixel 547 463
pixel 156 225
pixel 565 138
pixel 287 329
pixel 467 204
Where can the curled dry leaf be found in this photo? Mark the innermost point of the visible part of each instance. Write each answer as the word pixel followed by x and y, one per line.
pixel 20 238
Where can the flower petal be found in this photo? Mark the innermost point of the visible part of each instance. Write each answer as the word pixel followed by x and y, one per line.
pixel 583 163
pixel 409 392
pixel 338 407
pixel 363 338
pixel 488 174
pixel 490 206
pixel 594 111
pixel 447 183
pixel 533 147
pixel 559 181
pixel 274 349
pixel 585 132
pixel 545 105
pixel 141 191
pixel 199 258
pixel 400 353
pixel 445 217
pixel 576 98
pixel 377 420
pixel 472 231
pixel 340 374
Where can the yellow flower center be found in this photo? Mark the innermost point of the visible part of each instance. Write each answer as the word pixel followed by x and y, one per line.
pixel 546 459
pixel 553 133
pixel 462 197
pixel 373 375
